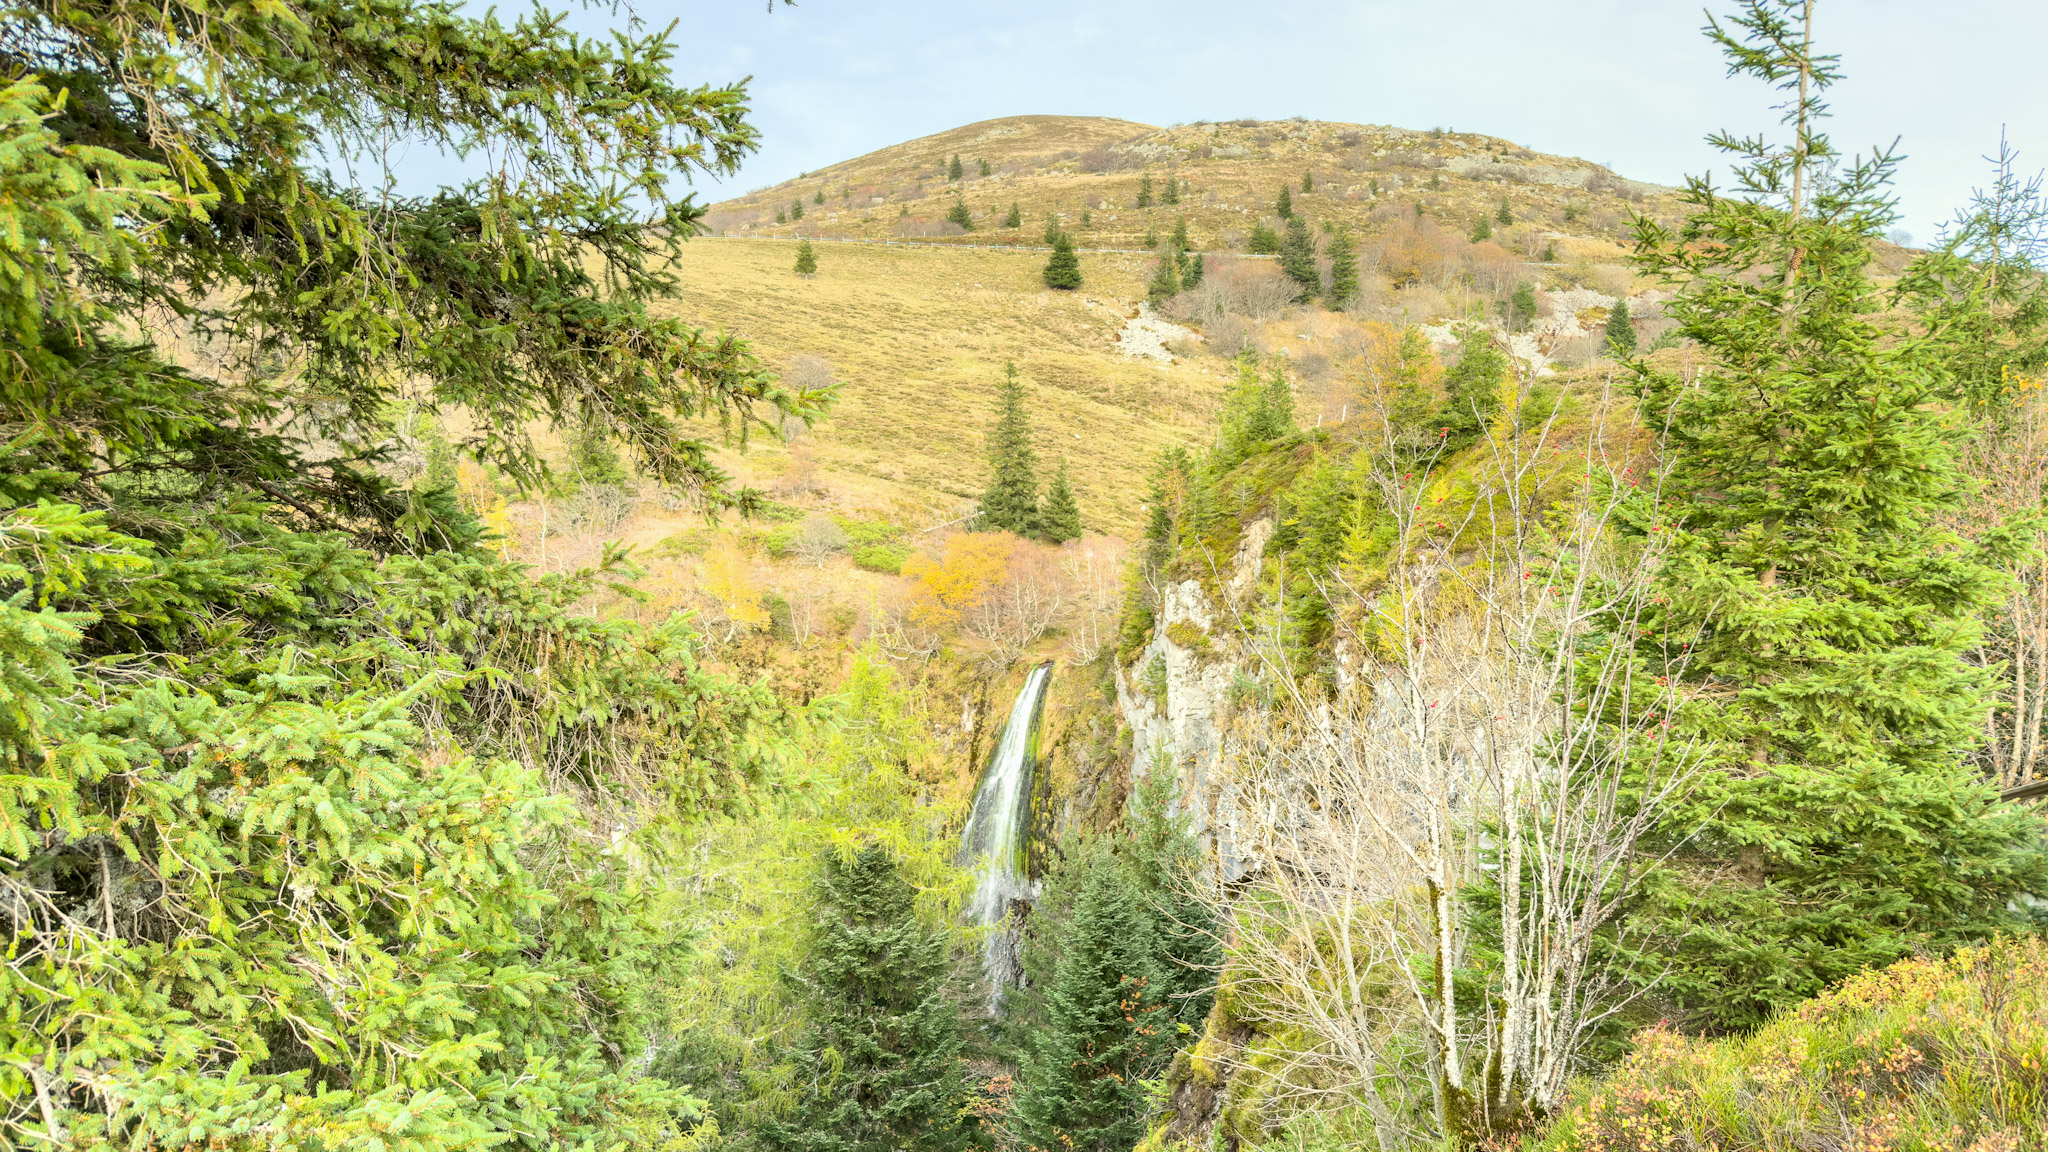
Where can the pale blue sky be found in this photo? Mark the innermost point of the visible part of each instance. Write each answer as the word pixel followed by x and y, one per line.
pixel 1625 82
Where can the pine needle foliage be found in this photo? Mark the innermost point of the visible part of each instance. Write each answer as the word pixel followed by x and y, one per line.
pixel 1344 286
pixel 1108 1025
pixel 806 259
pixel 1829 614
pixel 1060 520
pixel 1264 241
pixel 325 827
pixel 1165 282
pixel 958 213
pixel 1063 269
pixel 1620 332
pixel 1011 502
pixel 884 1037
pixel 1298 259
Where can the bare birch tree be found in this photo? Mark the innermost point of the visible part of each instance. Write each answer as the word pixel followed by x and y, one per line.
pixel 1489 740
pixel 2012 462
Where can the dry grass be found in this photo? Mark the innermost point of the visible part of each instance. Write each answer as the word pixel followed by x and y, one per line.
pixel 918 337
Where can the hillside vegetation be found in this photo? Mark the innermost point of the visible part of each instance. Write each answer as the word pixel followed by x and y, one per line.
pixel 917 340
pixel 1228 177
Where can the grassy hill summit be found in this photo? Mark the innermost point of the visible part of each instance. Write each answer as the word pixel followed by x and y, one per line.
pixel 1091 173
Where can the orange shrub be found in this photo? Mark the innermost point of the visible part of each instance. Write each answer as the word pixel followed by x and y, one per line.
pixel 959 579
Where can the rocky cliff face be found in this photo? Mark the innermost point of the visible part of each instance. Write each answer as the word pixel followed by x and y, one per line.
pixel 1177 695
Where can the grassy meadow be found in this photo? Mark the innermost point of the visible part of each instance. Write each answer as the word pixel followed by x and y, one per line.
pixel 918 339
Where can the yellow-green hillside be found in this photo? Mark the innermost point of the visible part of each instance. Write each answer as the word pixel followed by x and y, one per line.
pixel 918 339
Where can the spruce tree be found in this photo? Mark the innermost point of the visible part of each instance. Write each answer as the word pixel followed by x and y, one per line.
pixel 1483 230
pixel 1343 270
pixel 820 197
pixel 1550 253
pixel 1190 270
pixel 1264 241
pixel 1284 207
pixel 1171 194
pixel 954 171
pixel 958 213
pixel 1166 864
pixel 806 260
pixel 1011 502
pixel 782 215
pixel 1180 235
pixel 1621 331
pixel 1518 311
pixel 1472 388
pixel 1016 217
pixel 1145 190
pixel 796 209
pixel 1052 229
pixel 1165 282
pixel 873 983
pixel 1829 614
pixel 1151 237
pixel 1063 270
pixel 1087 218
pixel 1298 258
pixel 1108 1027
pixel 1060 519
pixel 1308 180
pixel 985 169
pixel 1506 215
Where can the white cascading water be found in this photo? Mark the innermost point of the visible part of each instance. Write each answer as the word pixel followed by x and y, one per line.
pixel 997 839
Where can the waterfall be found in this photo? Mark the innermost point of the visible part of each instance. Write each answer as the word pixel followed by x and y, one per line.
pixel 997 841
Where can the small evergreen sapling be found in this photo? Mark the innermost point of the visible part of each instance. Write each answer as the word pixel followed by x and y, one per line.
pixel 1016 217
pixel 796 209
pixel 1505 216
pixel 1171 194
pixel 1343 270
pixel 1165 282
pixel 806 259
pixel 985 169
pixel 1519 310
pixel 1151 237
pixel 1621 331
pixel 1063 270
pixel 1190 270
pixel 1052 229
pixel 1481 231
pixel 1264 241
pixel 1284 206
pixel 1145 191
pixel 1180 235
pixel 954 171
pixel 1308 180
pixel 1472 388
pixel 1060 519
pixel 819 198
pixel 1298 258
pixel 958 213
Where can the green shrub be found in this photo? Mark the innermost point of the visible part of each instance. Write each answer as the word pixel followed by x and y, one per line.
pixel 886 558
pixel 1924 1054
